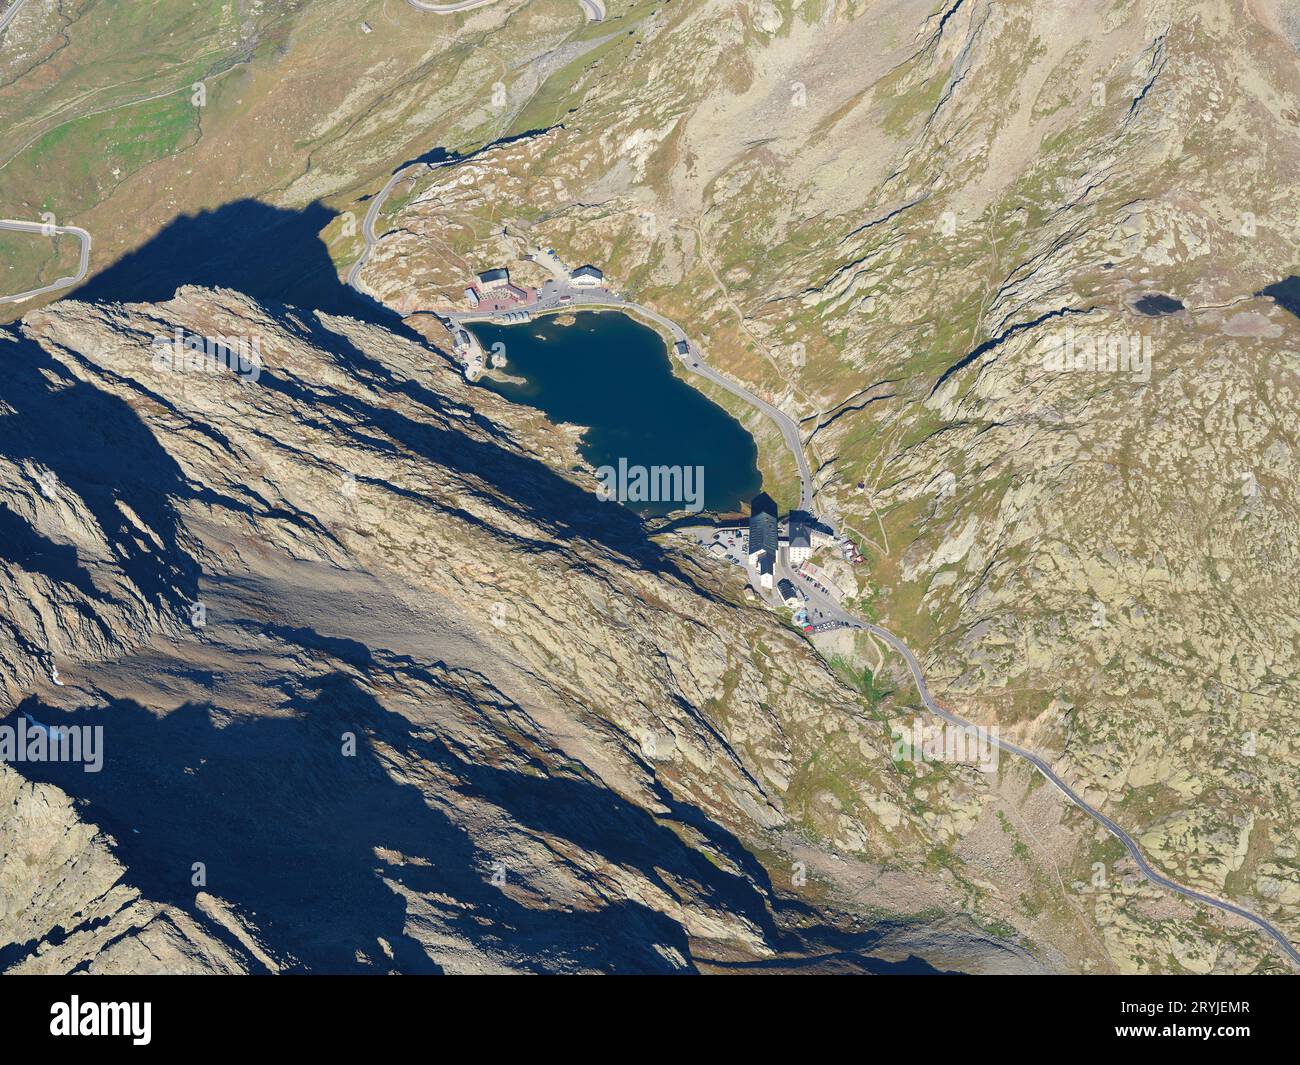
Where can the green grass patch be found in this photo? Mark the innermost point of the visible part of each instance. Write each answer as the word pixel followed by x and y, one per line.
pixel 77 164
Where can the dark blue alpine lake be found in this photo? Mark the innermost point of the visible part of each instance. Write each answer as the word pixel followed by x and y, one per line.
pixel 610 373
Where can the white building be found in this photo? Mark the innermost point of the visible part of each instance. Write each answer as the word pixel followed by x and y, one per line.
pixel 820 536
pixel 466 346
pixel 490 279
pixel 800 544
pixel 586 277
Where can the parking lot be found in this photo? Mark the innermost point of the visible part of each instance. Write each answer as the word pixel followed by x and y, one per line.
pixel 728 545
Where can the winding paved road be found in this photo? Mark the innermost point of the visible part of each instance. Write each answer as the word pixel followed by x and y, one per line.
pixel 593 9
pixel 44 230
pixel 549 301
pixel 9 14
pixel 449 9
pixel 1041 765
pixel 832 610
pixel 372 216
pixel 575 298
pixel 595 12
pixel 789 429
pixel 696 364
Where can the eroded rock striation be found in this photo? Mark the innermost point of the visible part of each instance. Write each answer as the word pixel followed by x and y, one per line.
pixel 382 686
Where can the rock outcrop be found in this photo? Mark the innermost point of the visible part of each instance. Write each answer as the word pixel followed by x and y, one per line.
pixel 381 686
pixel 916 226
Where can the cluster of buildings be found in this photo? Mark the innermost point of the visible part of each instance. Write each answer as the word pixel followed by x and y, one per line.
pixel 495 292
pixel 586 276
pixel 778 553
pixel 775 556
pixel 493 295
pixel 465 346
pixel 850 553
pixel 804 535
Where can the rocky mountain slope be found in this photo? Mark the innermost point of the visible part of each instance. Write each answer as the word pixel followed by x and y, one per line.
pixel 576 745
pixel 382 687
pixel 893 218
pixel 126 119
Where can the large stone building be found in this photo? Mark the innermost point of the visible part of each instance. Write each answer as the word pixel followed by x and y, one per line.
pixel 800 542
pixel 586 277
pixel 763 537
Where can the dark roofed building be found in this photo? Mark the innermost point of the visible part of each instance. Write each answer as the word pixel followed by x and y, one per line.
pixel 763 536
pixel 818 532
pixel 800 543
pixel 800 536
pixel 762 524
pixel 787 592
pixel 586 275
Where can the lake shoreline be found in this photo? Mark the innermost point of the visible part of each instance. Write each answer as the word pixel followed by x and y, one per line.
pixel 611 374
